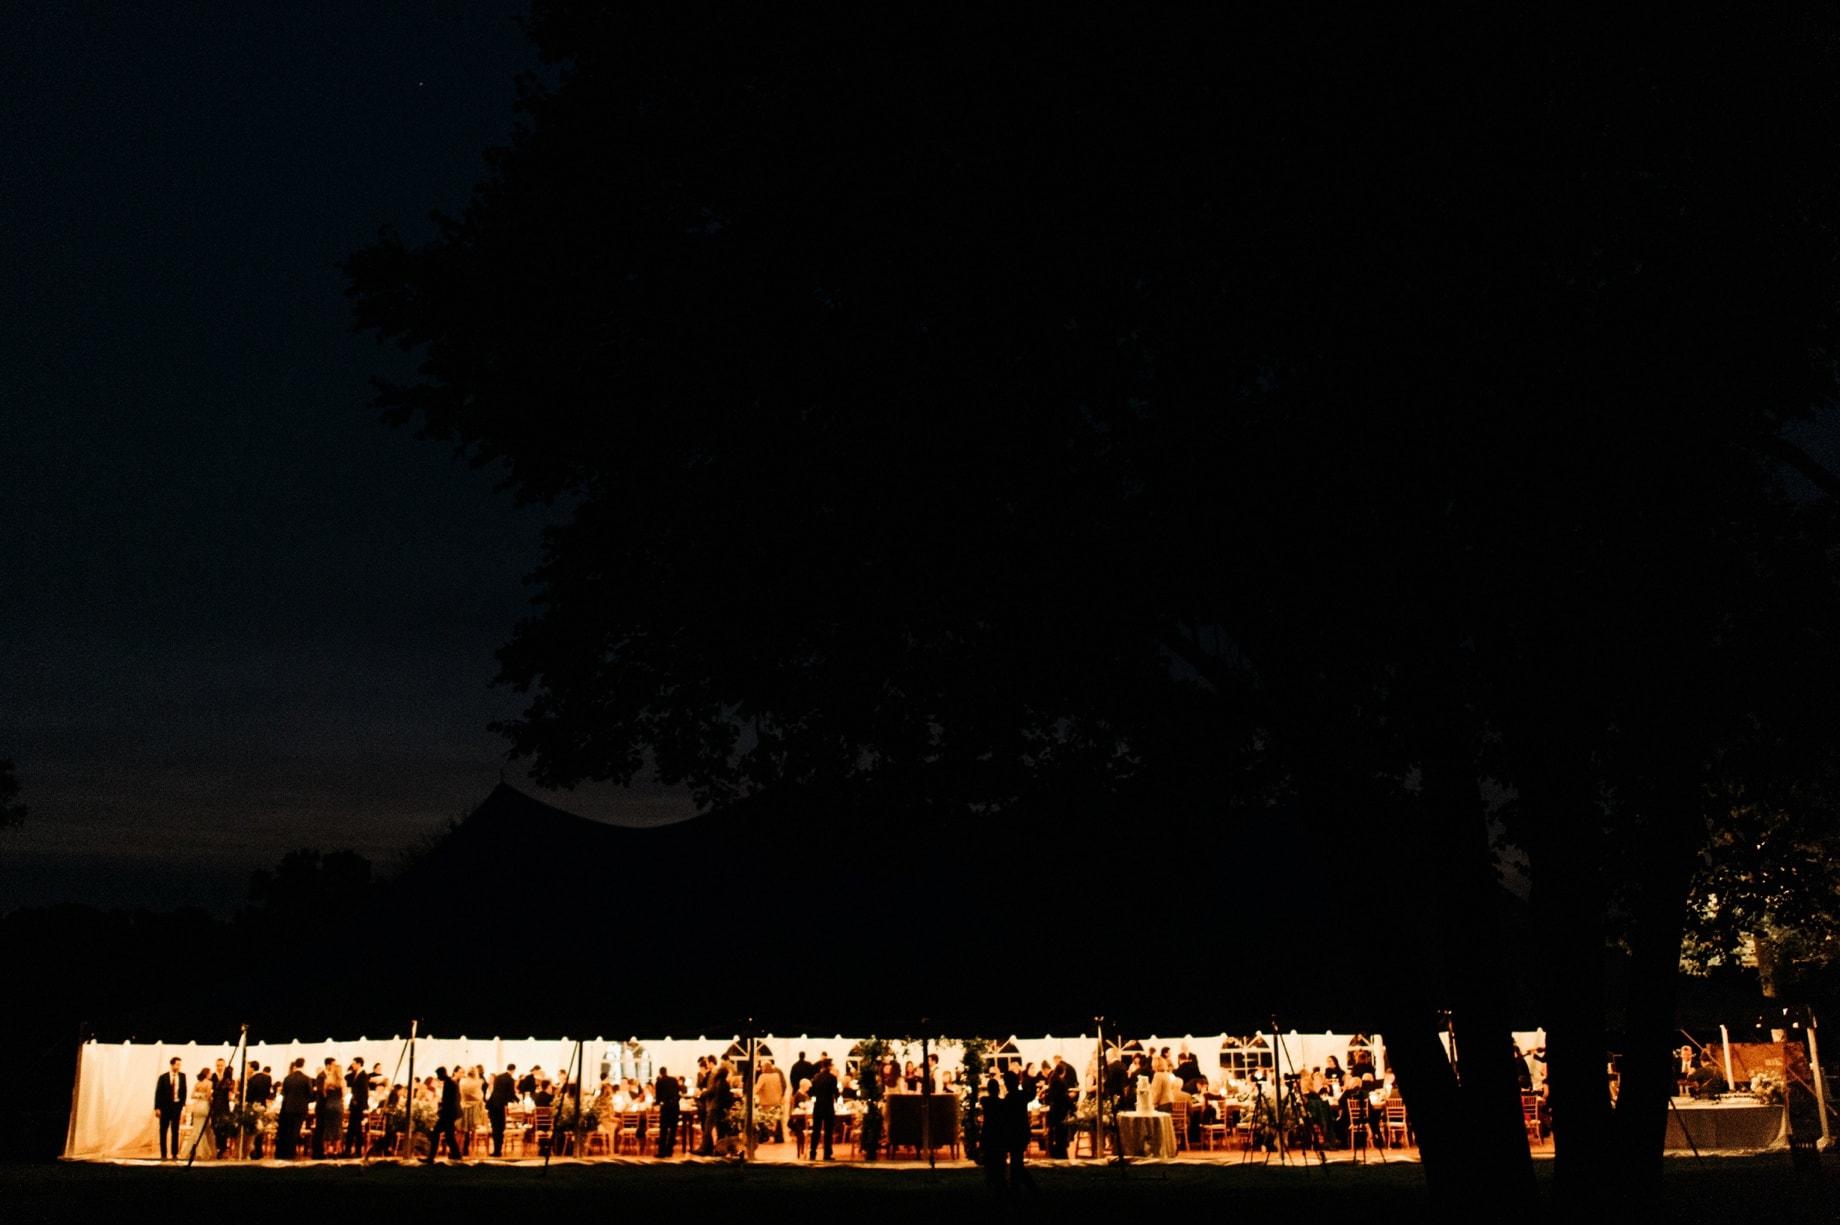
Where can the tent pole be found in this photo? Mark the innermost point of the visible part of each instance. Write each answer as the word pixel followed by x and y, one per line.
pixel 753 1056
pixel 1820 1083
pixel 1101 1099
pixel 409 1096
pixel 574 1062
pixel 242 1102
pixel 926 1093
pixel 581 1074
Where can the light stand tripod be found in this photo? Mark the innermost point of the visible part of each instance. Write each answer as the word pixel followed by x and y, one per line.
pixel 1291 1095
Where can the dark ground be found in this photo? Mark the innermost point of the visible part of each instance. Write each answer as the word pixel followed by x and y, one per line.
pixel 1729 1191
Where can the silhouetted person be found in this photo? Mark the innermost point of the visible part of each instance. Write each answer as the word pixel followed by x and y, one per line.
pixel 296 1096
pixel 665 1091
pixel 823 1108
pixel 991 1153
pixel 359 1082
pixel 329 1107
pixel 1063 1088
pixel 256 1094
pixel 802 1070
pixel 1015 1111
pixel 223 1092
pixel 504 1092
pixel 1707 1081
pixel 168 1104
pixel 446 1116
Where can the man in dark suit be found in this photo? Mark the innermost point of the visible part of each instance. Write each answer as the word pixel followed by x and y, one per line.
pixel 504 1092
pixel 359 1081
pixel 527 1087
pixel 823 1108
pixel 666 1091
pixel 296 1096
pixel 705 1073
pixel 1063 1089
pixel 256 1095
pixel 802 1070
pixel 168 1103
pixel 445 1117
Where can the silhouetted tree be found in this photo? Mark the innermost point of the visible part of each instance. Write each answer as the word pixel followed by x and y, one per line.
pixel 309 896
pixel 1224 411
pixel 11 811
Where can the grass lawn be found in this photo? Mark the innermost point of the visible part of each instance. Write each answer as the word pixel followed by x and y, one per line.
pixel 1730 1191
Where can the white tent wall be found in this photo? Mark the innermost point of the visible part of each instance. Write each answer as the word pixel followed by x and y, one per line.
pixel 1296 1052
pixel 114 1098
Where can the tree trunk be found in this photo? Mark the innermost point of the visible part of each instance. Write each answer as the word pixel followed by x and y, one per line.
pixel 1648 1064
pixel 1568 912
pixel 1469 902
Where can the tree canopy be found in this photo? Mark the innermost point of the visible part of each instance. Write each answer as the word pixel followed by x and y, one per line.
pixel 1227 410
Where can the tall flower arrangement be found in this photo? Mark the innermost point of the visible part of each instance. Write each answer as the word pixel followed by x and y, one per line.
pixel 976 1057
pixel 869 1095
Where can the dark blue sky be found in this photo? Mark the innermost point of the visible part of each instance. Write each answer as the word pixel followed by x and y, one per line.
pixel 242 616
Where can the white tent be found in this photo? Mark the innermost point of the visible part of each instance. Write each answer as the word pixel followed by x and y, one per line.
pixel 113 1117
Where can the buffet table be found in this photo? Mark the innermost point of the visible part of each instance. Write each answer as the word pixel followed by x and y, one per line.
pixel 1731 1124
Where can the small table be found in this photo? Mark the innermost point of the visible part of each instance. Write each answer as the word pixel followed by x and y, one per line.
pixel 1724 1125
pixel 1146 1133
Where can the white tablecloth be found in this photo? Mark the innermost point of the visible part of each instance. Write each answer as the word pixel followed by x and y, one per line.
pixel 1146 1133
pixel 1725 1126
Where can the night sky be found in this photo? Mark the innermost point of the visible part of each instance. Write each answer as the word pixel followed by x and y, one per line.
pixel 241 615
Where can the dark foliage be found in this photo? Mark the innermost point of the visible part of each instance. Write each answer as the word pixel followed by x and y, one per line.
pixel 11 811
pixel 1177 418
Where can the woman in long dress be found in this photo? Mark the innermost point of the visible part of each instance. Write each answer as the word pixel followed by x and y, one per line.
pixel 329 1111
pixel 472 1102
pixel 206 1136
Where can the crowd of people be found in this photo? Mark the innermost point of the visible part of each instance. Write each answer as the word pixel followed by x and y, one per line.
pixel 345 1109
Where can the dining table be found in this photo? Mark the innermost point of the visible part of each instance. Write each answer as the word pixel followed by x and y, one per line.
pixel 1146 1133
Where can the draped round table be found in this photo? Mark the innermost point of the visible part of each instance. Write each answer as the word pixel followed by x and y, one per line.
pixel 1732 1124
pixel 1146 1133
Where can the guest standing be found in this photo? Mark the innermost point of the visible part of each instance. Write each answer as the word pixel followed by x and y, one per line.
pixel 168 1105
pixel 205 1141
pixel 1015 1113
pixel 360 1083
pixel 446 1115
pixel 801 1071
pixel 256 1094
pixel 329 1113
pixel 504 1092
pixel 472 1102
pixel 223 1096
pixel 770 1094
pixel 992 1152
pixel 666 1090
pixel 1062 1091
pixel 296 1096
pixel 823 1109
